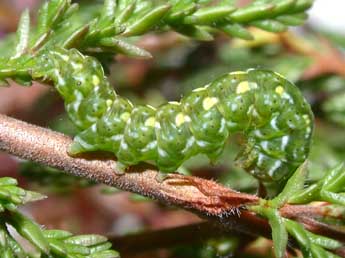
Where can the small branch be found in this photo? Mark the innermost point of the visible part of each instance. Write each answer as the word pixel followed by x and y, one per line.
pixel 308 215
pixel 223 207
pixel 204 197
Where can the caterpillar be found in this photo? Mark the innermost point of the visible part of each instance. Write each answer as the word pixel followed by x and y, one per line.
pixel 268 110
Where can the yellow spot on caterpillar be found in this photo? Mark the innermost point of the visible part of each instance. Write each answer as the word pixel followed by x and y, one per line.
pixel 199 89
pixel 125 116
pixel 151 121
pixel 307 119
pixel 242 87
pixel 109 102
pixel 279 90
pixel 151 107
pixel 209 102
pixel 179 119
pixel 77 66
pixel 174 103
pixel 238 73
pixel 65 57
pixel 95 80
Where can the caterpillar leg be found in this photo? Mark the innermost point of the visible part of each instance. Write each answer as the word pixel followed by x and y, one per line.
pixel 83 142
pixel 77 148
pixel 215 155
pixel 120 168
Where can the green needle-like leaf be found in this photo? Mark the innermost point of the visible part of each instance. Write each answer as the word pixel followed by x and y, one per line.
pixel 196 32
pixel 335 180
pixel 23 33
pixel 301 5
pixel 236 30
pixel 294 184
pixel 58 248
pixel 143 24
pixel 76 37
pixel 125 14
pixel 298 232
pixel 251 13
pixel 327 189
pixel 100 247
pixel 16 249
pixel 292 20
pixel 279 233
pixel 282 6
pixel 270 25
pixel 324 242
pixel 42 19
pixel 106 254
pixel 8 181
pixel 121 46
pixel 209 15
pixel 57 234
pixel 30 231
pixel 180 11
pixel 76 249
pixel 86 240
pixel 109 8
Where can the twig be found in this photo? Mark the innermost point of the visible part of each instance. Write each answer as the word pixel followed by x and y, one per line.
pixel 308 215
pixel 200 196
pixel 220 205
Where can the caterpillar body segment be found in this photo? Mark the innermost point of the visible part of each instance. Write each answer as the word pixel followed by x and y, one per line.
pixel 269 111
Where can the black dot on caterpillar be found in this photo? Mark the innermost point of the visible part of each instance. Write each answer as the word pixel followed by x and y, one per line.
pixel 268 109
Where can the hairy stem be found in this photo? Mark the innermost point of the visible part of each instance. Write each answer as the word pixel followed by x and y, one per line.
pixel 200 196
pixel 220 205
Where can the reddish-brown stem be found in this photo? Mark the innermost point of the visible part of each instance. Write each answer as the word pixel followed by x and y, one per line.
pixel 201 196
pixel 220 205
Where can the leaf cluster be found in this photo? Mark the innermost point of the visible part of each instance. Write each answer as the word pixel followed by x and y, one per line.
pixel 111 30
pixel 326 189
pixel 47 243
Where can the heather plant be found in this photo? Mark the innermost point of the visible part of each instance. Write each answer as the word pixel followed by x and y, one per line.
pixel 71 48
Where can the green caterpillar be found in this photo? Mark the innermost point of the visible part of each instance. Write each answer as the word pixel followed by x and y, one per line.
pixel 269 110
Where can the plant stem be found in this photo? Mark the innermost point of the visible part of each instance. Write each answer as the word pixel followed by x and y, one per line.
pixel 220 205
pixel 204 197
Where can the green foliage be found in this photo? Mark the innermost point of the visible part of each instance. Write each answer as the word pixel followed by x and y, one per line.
pixel 330 189
pixel 311 245
pixel 113 29
pixel 39 58
pixel 47 243
pixel 108 31
pixel 327 189
pixel 11 195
